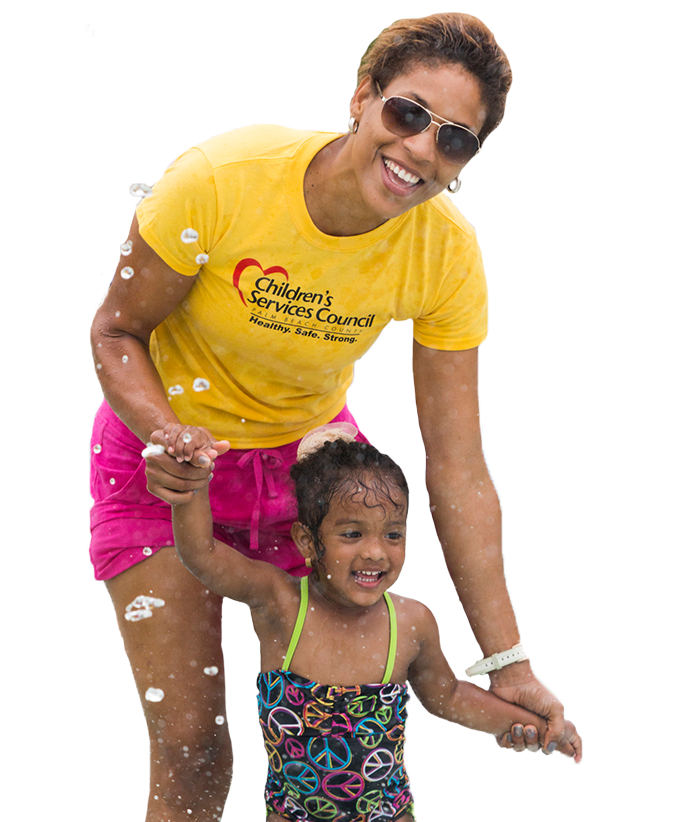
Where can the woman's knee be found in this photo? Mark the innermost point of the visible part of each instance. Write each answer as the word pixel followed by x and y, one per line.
pixel 191 766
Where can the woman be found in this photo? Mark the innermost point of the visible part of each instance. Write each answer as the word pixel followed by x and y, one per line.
pixel 264 263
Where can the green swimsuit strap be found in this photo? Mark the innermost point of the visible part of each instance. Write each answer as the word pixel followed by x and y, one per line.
pixel 391 655
pixel 298 627
pixel 300 621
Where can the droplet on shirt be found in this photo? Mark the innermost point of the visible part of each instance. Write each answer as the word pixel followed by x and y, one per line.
pixel 189 235
pixel 175 389
pixel 140 190
pixel 97 449
pixel 125 358
pixel 242 420
pixel 219 720
pixel 212 671
pixel 127 273
pixel 187 437
pixel 147 551
pixel 154 695
pixel 200 384
pixel 126 248
pixel 112 481
pixel 201 259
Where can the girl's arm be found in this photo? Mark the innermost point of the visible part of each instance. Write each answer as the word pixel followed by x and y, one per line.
pixel 441 693
pixel 218 566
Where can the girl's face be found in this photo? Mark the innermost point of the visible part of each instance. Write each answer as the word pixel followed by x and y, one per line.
pixel 380 157
pixel 364 539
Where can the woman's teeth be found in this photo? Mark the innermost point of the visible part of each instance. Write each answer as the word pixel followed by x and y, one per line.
pixel 401 173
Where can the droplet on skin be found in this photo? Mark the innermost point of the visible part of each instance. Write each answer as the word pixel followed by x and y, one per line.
pixel 97 449
pixel 137 616
pixel 127 273
pixel 201 259
pixel 200 384
pixel 125 358
pixel 219 720
pixel 187 437
pixel 189 235
pixel 126 248
pixel 141 607
pixel 140 190
pixel 212 671
pixel 175 389
pixel 154 695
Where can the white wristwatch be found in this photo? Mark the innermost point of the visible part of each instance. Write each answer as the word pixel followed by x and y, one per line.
pixel 497 661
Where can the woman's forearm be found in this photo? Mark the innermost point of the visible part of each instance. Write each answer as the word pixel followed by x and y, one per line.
pixel 467 516
pixel 130 382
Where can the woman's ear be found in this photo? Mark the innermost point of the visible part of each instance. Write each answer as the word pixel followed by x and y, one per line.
pixel 303 540
pixel 360 96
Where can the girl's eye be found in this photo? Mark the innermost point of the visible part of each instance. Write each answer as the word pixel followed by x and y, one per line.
pixel 395 535
pixel 351 534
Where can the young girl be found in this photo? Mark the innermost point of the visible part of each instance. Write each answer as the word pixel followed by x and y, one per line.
pixel 335 745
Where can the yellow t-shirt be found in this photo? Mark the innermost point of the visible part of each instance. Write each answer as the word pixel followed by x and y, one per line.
pixel 262 348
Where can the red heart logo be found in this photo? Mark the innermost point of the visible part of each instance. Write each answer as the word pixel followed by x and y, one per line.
pixel 246 263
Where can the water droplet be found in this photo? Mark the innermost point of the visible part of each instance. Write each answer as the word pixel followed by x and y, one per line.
pixel 112 481
pixel 219 720
pixel 137 616
pixel 212 671
pixel 126 248
pixel 140 190
pixel 127 273
pixel 97 449
pixel 187 437
pixel 98 366
pixel 154 695
pixel 201 259
pixel 189 235
pixel 147 551
pixel 175 389
pixel 242 420
pixel 200 384
pixel 125 358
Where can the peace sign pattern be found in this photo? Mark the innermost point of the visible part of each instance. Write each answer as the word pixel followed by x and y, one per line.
pixel 336 753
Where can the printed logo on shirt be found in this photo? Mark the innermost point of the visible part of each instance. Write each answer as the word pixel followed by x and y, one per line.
pixel 277 305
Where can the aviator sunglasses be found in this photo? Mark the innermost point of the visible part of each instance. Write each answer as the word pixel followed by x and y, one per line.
pixel 404 117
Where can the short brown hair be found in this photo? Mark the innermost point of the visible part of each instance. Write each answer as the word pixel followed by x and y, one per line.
pixel 442 39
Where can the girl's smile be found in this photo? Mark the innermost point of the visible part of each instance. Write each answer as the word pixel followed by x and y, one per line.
pixel 362 547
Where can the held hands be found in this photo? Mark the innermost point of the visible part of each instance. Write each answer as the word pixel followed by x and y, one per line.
pixel 176 475
pixel 520 687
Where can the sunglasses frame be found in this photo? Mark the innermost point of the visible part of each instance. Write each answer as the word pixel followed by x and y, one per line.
pixel 433 122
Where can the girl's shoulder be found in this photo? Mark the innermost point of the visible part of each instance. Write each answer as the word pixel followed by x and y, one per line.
pixel 413 617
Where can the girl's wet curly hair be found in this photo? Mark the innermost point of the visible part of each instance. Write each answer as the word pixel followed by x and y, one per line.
pixel 341 470
pixel 443 39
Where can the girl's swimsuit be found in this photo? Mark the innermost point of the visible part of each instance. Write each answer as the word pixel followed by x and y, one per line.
pixel 335 753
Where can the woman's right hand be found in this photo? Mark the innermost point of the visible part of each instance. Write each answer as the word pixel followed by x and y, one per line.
pixel 185 467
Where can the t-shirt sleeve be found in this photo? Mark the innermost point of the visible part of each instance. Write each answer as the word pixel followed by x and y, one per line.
pixel 458 318
pixel 178 219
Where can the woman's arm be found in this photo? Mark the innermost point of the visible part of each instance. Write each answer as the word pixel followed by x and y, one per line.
pixel 441 693
pixel 467 517
pixel 120 334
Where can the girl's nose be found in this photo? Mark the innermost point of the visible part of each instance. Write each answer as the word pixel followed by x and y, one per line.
pixel 373 549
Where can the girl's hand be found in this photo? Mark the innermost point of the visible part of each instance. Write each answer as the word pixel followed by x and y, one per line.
pixel 188 443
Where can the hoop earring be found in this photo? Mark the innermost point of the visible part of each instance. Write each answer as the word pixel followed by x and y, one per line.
pixel 308 562
pixel 352 125
pixel 457 185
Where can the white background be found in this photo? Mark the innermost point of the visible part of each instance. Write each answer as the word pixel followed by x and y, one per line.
pixel 580 201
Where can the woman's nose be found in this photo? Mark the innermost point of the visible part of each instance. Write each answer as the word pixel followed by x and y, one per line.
pixel 423 146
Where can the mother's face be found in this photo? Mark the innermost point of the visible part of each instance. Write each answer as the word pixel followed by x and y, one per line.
pixel 396 173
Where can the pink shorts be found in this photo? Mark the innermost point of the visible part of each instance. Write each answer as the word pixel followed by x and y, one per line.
pixel 252 501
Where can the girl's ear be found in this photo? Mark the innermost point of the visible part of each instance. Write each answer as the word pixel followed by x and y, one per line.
pixel 303 540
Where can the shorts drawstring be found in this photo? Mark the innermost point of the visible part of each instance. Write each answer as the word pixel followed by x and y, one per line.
pixel 263 462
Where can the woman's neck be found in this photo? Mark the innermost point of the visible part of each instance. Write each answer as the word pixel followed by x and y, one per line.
pixel 330 193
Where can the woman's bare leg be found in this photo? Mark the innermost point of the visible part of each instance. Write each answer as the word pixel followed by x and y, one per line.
pixel 191 756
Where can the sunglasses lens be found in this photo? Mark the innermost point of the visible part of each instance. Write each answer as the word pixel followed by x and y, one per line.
pixel 456 144
pixel 404 117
